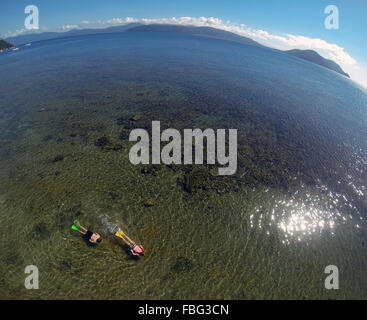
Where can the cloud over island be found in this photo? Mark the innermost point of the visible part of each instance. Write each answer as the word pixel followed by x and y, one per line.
pixel 282 42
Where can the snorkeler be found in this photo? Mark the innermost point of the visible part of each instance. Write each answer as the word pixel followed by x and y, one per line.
pixel 91 236
pixel 135 249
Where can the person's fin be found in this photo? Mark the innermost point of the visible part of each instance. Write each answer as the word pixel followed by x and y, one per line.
pixel 117 234
pixel 74 228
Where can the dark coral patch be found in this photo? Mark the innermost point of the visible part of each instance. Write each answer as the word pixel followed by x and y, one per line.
pixel 58 158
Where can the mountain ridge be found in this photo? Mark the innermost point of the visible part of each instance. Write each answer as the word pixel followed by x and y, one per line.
pixel 23 39
pixel 199 31
pixel 314 57
pixel 308 55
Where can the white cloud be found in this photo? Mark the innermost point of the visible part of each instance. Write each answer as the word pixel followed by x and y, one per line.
pixel 69 27
pixel 116 21
pixel 289 41
pixel 17 33
pixel 22 31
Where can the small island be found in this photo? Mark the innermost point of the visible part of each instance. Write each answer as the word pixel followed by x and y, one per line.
pixel 5 45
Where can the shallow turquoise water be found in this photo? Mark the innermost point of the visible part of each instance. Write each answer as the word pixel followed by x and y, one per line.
pixel 297 203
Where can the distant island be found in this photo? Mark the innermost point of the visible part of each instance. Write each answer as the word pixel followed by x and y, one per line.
pixel 5 45
pixel 27 38
pixel 308 55
pixel 200 31
pixel 314 57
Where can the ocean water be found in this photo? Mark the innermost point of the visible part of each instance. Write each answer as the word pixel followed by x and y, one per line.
pixel 296 204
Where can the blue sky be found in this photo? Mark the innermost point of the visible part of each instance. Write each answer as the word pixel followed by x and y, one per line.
pixel 284 24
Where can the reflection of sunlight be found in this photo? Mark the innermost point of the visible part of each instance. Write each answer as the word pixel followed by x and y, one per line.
pixel 303 221
pixel 311 211
pixel 305 214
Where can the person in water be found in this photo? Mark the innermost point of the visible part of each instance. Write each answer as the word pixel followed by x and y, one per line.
pixel 90 236
pixel 135 249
